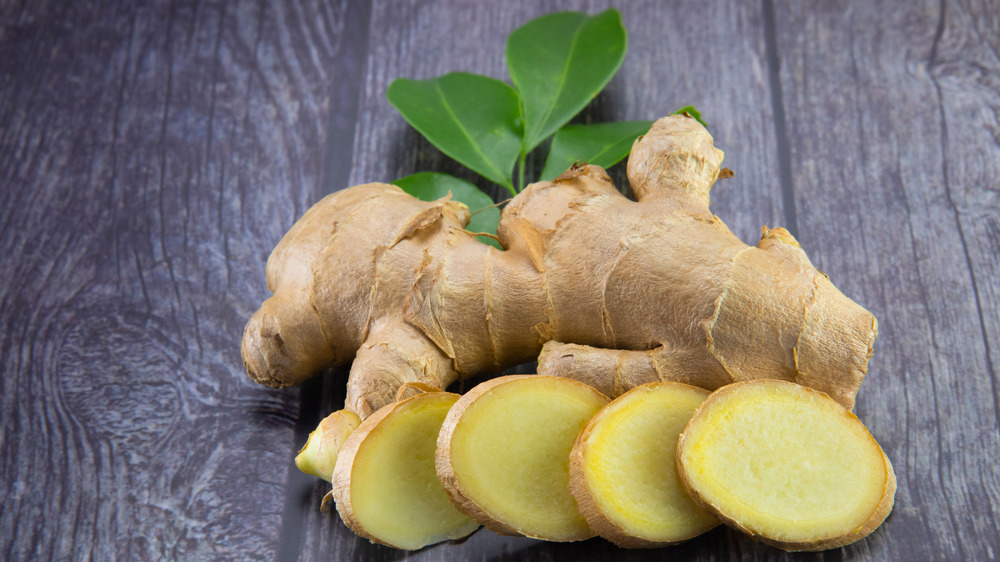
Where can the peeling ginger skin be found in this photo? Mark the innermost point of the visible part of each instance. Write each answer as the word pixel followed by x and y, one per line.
pixel 658 289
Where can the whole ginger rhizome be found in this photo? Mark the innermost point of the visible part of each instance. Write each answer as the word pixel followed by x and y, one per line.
pixel 611 292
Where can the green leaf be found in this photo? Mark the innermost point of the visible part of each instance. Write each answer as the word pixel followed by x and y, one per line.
pixel 559 62
pixel 474 119
pixel 691 112
pixel 431 186
pixel 603 144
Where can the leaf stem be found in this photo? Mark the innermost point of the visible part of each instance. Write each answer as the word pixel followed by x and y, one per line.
pixel 520 171
pixel 510 188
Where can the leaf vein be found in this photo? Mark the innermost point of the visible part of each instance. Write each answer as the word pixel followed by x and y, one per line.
pixel 562 81
pixel 478 150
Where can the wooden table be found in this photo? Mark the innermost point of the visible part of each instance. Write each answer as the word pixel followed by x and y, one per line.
pixel 152 154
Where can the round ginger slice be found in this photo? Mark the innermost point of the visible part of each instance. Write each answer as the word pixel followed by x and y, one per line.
pixel 623 469
pixel 503 454
pixel 384 480
pixel 787 465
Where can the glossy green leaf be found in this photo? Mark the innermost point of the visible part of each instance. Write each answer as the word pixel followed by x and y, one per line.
pixel 431 186
pixel 603 144
pixel 691 111
pixel 559 62
pixel 474 119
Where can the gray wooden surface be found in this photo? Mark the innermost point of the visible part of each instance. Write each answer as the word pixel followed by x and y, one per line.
pixel 152 153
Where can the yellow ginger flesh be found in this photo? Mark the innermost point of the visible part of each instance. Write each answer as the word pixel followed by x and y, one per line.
pixel 385 484
pixel 503 454
pixel 623 468
pixel 786 464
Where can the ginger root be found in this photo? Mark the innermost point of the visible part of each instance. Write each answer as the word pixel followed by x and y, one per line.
pixel 623 468
pixel 657 289
pixel 787 465
pixel 385 484
pixel 319 455
pixel 503 454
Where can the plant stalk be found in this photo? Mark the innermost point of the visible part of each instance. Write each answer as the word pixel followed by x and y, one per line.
pixel 520 172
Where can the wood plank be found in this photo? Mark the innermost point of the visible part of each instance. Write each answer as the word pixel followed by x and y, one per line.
pixel 150 156
pixel 667 67
pixel 894 157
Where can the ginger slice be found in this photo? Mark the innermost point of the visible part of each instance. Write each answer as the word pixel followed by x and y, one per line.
pixel 319 455
pixel 786 464
pixel 623 469
pixel 384 480
pixel 503 454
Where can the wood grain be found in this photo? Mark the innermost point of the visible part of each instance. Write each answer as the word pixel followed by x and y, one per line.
pixel 899 214
pixel 152 154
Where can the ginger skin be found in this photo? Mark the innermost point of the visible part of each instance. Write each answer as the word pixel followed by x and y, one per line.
pixel 658 289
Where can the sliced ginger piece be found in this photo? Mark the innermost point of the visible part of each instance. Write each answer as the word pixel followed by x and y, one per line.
pixel 319 455
pixel 384 480
pixel 786 464
pixel 503 454
pixel 623 469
